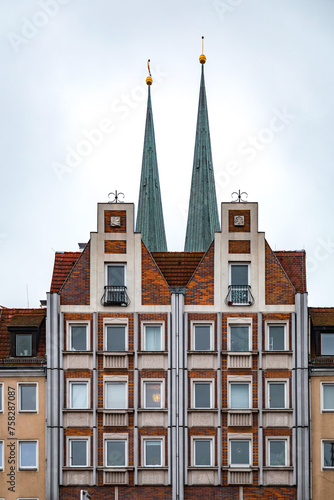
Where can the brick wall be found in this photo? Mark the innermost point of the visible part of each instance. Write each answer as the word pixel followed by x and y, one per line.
pixel 154 288
pixel 76 289
pixel 117 246
pixel 279 289
pixel 239 229
pixel 200 290
pixel 239 246
pixel 114 229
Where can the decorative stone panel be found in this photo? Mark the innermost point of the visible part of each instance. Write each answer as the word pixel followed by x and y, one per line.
pixel 81 418
pixel 279 477
pixel 115 477
pixel 202 418
pixel 280 361
pixel 202 476
pixel 153 476
pixel 240 419
pixel 115 419
pixel 77 476
pixel 73 361
pixel 277 418
pixel 240 477
pixel 115 361
pixel 239 360
pixel 152 361
pixel 152 418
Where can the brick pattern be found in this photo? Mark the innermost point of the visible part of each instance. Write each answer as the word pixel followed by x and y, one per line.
pixel 154 287
pixel 117 246
pixel 279 289
pixel 239 229
pixel 239 246
pixel 76 289
pixel 64 262
pixel 114 229
pixel 200 289
pixel 270 493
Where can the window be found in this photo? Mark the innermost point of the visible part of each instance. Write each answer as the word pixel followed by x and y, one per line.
pixel 276 337
pixel 78 337
pixel 152 340
pixel 78 394
pixel 78 452
pixel 153 453
pixel 328 397
pixel 116 395
pixel 1 455
pixel 1 398
pixel 115 289
pixel 203 394
pixel 239 453
pixel 153 394
pixel 202 337
pixel 239 338
pixel 277 394
pixel 23 344
pixel 28 397
pixel 277 452
pixel 327 344
pixel 116 337
pixel 239 284
pixel 239 395
pixel 202 452
pixel 116 453
pixel 328 453
pixel 116 275
pixel 28 454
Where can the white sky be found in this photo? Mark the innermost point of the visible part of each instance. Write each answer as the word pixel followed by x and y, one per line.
pixel 78 62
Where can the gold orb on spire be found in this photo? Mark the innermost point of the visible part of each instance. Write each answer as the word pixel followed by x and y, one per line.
pixel 149 79
pixel 202 58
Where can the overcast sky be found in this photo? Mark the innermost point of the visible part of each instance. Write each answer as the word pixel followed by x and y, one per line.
pixel 70 67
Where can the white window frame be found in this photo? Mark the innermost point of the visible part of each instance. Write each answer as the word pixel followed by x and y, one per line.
pixel 161 440
pixel 195 381
pixel 161 324
pixel 114 264
pixel 323 466
pixel 2 398
pixel 110 439
pixel 2 455
pixel 235 380
pixel 211 324
pixel 285 439
pixel 82 381
pixel 69 440
pixel 115 322
pixel 19 385
pixel 286 392
pixel 238 321
pixel 322 398
pixel 162 393
pixel 19 452
pixel 240 437
pixel 194 439
pixel 69 325
pixel 118 379
pixel 285 324
pixel 241 263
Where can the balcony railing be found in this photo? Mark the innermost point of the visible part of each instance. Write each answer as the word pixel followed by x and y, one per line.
pixel 239 295
pixel 115 296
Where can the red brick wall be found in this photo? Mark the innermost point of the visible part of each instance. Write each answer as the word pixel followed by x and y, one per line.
pixel 114 229
pixel 239 246
pixel 154 288
pixel 76 289
pixel 117 246
pixel 239 229
pixel 200 289
pixel 279 289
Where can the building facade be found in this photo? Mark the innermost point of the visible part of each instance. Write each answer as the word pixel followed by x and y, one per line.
pixel 22 404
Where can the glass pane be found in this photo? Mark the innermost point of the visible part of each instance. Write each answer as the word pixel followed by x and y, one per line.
pixel 239 274
pixel 116 453
pixel 202 338
pixel 327 343
pixel 153 452
pixel 79 453
pixel 116 276
pixel 277 452
pixel 328 397
pixel 239 395
pixel 276 337
pixel 79 395
pixel 23 344
pixel 79 337
pixel 153 338
pixel 28 454
pixel 328 454
pixel 239 338
pixel 202 395
pixel 0 397
pixel 115 338
pixel 153 395
pixel 277 395
pixel 202 452
pixel 116 394
pixel 28 397
pixel 240 453
pixel 1 451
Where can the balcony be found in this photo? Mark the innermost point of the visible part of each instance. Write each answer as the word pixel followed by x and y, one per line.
pixel 115 296
pixel 239 295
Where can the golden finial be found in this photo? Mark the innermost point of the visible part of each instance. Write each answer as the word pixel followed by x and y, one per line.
pixel 202 58
pixel 149 78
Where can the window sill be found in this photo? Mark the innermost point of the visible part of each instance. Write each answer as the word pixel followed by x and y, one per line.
pixel 153 467
pixel 277 410
pixel 78 410
pixel 28 469
pixel 196 410
pixel 77 467
pixel 277 467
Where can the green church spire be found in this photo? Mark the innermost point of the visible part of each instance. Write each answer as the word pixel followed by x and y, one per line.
pixel 203 219
pixel 150 222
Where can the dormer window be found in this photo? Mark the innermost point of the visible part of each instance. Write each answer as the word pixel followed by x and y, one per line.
pixel 23 344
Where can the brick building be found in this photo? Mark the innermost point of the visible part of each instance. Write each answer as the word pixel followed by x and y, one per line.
pixel 175 375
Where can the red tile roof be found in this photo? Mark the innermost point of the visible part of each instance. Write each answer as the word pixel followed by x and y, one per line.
pixel 177 267
pixel 322 316
pixel 64 262
pixel 293 263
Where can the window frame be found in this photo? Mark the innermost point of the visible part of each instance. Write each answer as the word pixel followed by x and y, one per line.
pixel 145 324
pixel 19 386
pixel 193 325
pixel 235 438
pixel 275 381
pixel 285 324
pixel 239 382
pixel 33 344
pixel 201 381
pixel 1 397
pixel 160 440
pixel 26 468
pixel 115 380
pixel 69 325
pixel 162 393
pixel 70 440
pixel 2 455
pixel 69 392
pixel 284 439
pixel 322 397
pixel 119 322
pixel 115 439
pixel 323 466
pixel 114 264
pixel 194 441
pixel 238 324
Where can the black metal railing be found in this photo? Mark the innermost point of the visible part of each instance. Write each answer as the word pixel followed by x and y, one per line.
pixel 239 295
pixel 115 296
